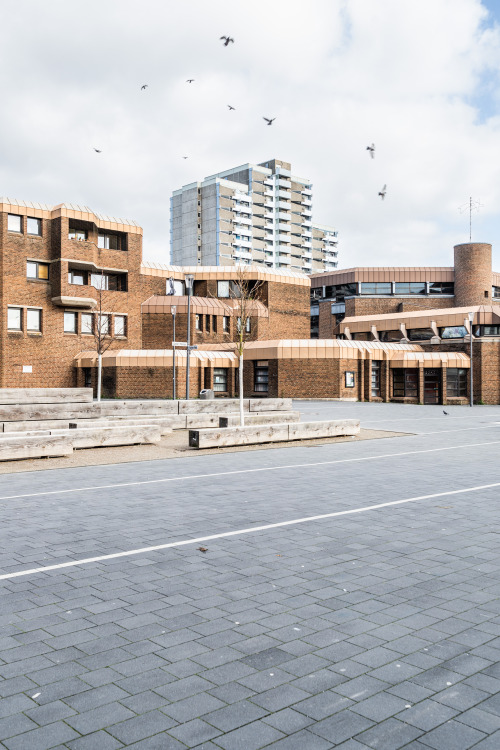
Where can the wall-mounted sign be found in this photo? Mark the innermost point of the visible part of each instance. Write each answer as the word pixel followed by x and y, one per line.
pixel 27 368
pixel 349 379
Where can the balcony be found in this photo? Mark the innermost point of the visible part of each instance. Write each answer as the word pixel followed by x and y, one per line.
pixel 269 215
pixel 306 212
pixel 282 216
pixel 307 254
pixel 307 202
pixel 285 194
pixel 282 204
pixel 268 182
pixel 306 223
pixel 269 204
pixel 284 183
pixel 284 259
pixel 242 220
pixel 284 239
pixel 241 243
pixel 242 197
pixel 245 254
pixel 306 191
pixel 283 227
pixel 269 193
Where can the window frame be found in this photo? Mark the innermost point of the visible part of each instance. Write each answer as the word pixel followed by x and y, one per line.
pixel 15 308
pixel 74 315
pixel 223 373
pixel 39 225
pixel 15 216
pixel 261 376
pixel 123 333
pixel 226 323
pixel 37 264
pixel 83 317
pixel 38 311
pixel 456 382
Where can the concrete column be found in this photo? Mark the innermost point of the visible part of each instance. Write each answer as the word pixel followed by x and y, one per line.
pixel 420 382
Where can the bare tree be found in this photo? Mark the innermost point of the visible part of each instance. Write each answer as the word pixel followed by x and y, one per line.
pixel 244 294
pixel 102 332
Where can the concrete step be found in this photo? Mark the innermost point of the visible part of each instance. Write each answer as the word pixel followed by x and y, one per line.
pixel 271 433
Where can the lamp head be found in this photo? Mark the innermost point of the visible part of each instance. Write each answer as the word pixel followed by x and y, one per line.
pixel 471 317
pixel 173 310
pixel 189 278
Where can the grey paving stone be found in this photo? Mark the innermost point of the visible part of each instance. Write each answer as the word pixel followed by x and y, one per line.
pixel 270 657
pixel 179 689
pixel 288 720
pixel 101 740
pixel 139 727
pixel 462 696
pixel 361 688
pixel 279 697
pixel 193 707
pixel 389 735
pixel 490 743
pixel 99 718
pixel 231 717
pixel 158 742
pixel 192 733
pixel 453 736
pixel 43 738
pixel 322 705
pixel 427 715
pixel 379 707
pixel 301 741
pixel 479 719
pixel 16 724
pixel 250 737
pixel 341 726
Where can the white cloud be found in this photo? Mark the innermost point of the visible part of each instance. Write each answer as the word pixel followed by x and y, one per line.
pixel 416 78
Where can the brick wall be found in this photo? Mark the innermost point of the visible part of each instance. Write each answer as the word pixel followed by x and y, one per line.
pixel 379 306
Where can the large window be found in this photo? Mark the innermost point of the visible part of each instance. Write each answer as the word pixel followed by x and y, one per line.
pixel 225 323
pixel 375 384
pixel 14 318
pixel 120 325
pixel 223 289
pixel 35 270
pixel 220 379
pixel 70 322
pixel 109 281
pixel 109 241
pixel 103 324
pixel 87 323
pixel 496 291
pixel 410 287
pixel 453 332
pixel 34 320
pixel 77 234
pixel 390 335
pixel 315 326
pixel 14 223
pixel 441 287
pixel 489 331
pixel 456 381
pixel 261 376
pixel 420 334
pixel 77 277
pixel 34 226
pixel 405 383
pixel 197 322
pixel 378 287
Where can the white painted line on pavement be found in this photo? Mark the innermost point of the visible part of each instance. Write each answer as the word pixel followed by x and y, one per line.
pixel 243 471
pixel 250 530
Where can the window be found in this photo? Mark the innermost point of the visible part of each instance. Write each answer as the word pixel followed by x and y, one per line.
pixel 390 335
pixel 411 287
pixel 120 325
pixel 103 324
pixel 14 318
pixel 34 226
pixel 14 223
pixel 207 323
pixel 87 323
pixel 99 280
pixel 376 288
pixel 70 322
pixel 420 334
pixel 220 379
pixel 441 287
pixel 453 332
pixel 77 234
pixel 223 289
pixel 214 323
pixel 77 277
pixel 109 281
pixel 456 381
pixel 261 377
pixel 35 270
pixel 375 385
pixel 34 320
pixel 175 287
pixel 314 326
pixel 109 241
pixel 197 322
pixel 405 383
pixel 489 331
pixel 495 291
pixel 225 323
pixel 349 380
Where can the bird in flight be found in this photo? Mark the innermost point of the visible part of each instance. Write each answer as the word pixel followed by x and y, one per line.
pixel 190 80
pixel 227 40
pixel 269 120
pixel 144 86
pixel 98 151
pixel 383 192
pixel 185 157
pixel 371 149
pixel 230 107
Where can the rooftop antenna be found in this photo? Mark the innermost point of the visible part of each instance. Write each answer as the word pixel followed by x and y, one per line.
pixel 471 206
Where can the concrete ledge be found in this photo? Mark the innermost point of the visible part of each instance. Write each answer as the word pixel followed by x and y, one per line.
pixel 107 436
pixel 270 417
pixel 211 406
pixel 164 425
pixel 13 396
pixel 271 433
pixel 34 447
pixel 270 404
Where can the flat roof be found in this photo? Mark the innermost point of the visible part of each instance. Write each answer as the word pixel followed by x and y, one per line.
pixel 225 272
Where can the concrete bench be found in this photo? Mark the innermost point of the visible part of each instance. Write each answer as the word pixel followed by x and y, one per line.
pixel 271 433
pixel 270 417
pixel 34 447
pixel 45 395
pixel 102 437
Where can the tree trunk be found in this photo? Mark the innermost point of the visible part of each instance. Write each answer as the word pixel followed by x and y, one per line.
pixel 99 375
pixel 240 379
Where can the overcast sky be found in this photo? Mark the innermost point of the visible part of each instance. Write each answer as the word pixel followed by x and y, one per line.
pixel 420 78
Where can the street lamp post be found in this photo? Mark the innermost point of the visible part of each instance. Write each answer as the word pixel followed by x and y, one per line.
pixel 189 278
pixel 173 310
pixel 471 319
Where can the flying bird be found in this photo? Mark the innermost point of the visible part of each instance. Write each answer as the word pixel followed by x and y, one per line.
pixel 144 86
pixel 185 157
pixel 230 107
pixel 383 192
pixel 98 151
pixel 227 40
pixel 371 149
pixel 190 80
pixel 445 412
pixel 269 120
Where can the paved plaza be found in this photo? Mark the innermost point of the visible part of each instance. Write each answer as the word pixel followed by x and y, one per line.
pixel 348 597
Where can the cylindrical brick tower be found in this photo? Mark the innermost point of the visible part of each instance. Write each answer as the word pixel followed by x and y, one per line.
pixel 473 274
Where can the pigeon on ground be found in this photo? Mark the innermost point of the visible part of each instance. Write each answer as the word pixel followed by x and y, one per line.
pixel 383 192
pixel 269 120
pixel 202 549
pixel 371 149
pixel 144 86
pixel 227 40
pixel 445 412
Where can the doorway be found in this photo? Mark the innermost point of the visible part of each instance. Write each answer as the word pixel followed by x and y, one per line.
pixel 432 386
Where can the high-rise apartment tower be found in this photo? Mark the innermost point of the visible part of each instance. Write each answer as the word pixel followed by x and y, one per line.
pixel 251 214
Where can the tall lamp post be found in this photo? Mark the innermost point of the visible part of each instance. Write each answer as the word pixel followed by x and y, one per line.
pixel 189 278
pixel 173 310
pixel 471 319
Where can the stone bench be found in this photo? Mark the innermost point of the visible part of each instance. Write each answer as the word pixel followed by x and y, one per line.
pixel 102 437
pixel 233 420
pixel 271 433
pixel 10 396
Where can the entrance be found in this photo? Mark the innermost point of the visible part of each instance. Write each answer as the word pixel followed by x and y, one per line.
pixel 432 386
